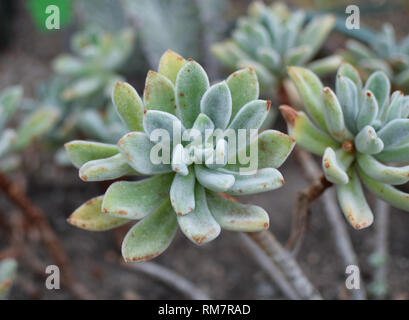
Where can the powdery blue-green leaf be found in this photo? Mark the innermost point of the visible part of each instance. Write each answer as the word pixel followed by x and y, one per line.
pixel 368 112
pixel 191 84
pixel 68 65
pixel 154 119
pixel 151 236
pixel 347 93
pixel 178 161
pixel 334 117
pixel 353 203
pixel 262 180
pixel 89 216
pixel 309 87
pixel 82 88
pixel 270 58
pixel 334 171
pixel 159 93
pixel 348 71
pixel 394 110
pixel 216 103
pixel 105 169
pixel 199 226
pixel 382 173
pixel 10 100
pixel 297 55
pixel 182 193
pixel 251 115
pixel 37 124
pixel 306 133
pixel 136 148
pixel 234 216
pixel 380 85
pixel 394 133
pixel 170 64
pixel 213 180
pixel 367 141
pixel 395 154
pixel 325 66
pixel 129 105
pixel 202 123
pixel 229 53
pixel 265 77
pixel 81 151
pixel 136 199
pixel 386 192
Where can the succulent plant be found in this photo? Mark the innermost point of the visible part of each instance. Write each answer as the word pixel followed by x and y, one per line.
pixel 357 130
pixel 185 189
pixel 271 38
pixel 35 124
pixel 8 268
pixel 384 53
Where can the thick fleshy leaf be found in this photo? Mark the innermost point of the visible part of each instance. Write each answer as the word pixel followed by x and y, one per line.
pixel 90 217
pixel 105 169
pixel 334 117
pixel 35 126
pixel 202 124
pixel 170 64
pixel 368 112
pixel 7 139
pixel 270 58
pixel 264 76
pixel 136 199
pixel 216 103
pixel 380 85
pixel 334 170
pixel 154 119
pixel 82 88
pixel 229 53
pixel 297 55
pixel 151 236
pixel 353 203
pixel 350 72
pixel 159 93
pixel 129 105
pixel 347 93
pixel 251 115
pixel 10 100
pixel 234 216
pixel 306 133
pixel 199 226
pixel 136 148
pixel 394 133
pixel 386 192
pixel 178 160
pixel 220 155
pixel 325 66
pixel 81 151
pixel 395 154
pixel 212 179
pixel 382 173
pixel 367 141
pixel 68 65
pixel 262 180
pixel 394 110
pixel 309 87
pixel 359 49
pixel 191 84
pixel 182 193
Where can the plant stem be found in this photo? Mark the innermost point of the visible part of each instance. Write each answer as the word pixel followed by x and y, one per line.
pixel 286 263
pixel 35 216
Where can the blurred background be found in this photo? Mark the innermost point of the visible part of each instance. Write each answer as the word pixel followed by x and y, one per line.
pixel 223 268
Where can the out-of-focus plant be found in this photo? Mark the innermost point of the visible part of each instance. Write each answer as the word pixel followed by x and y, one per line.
pixel 384 52
pixel 271 38
pixel 32 127
pixel 357 130
pixel 184 192
pixel 8 270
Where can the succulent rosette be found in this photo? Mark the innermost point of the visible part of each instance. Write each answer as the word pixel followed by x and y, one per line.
pixel 272 37
pixel 358 130
pixel 185 187
pixel 384 52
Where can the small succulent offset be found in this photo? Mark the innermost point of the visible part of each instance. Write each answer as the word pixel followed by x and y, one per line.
pixel 35 124
pixel 384 53
pixel 185 189
pixel 273 37
pixel 8 268
pixel 357 130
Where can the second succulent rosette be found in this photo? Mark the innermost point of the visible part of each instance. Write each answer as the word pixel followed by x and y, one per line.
pixel 185 188
pixel 359 130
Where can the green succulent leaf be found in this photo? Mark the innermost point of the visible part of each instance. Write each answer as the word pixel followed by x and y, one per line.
pixel 348 71
pixel 82 88
pixel 264 76
pixel 396 154
pixel 10 100
pixel 382 173
pixel 394 133
pixel 129 106
pixel 270 58
pixel 136 199
pixel 151 236
pixel 216 103
pixel 380 85
pixel 202 123
pixel 367 141
pixel 386 192
pixel 159 93
pixel 212 179
pixel 235 216
pixel 80 151
pixel 90 217
pixel 182 194
pixel 368 112
pixel 298 55
pixel 199 226
pixel 136 148
pixel 353 203
pixel 229 53
pixel 170 64
pixel 154 119
pixel 251 115
pixel 325 66
pixel 105 169
pixel 191 84
pixel 334 170
pixel 347 93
